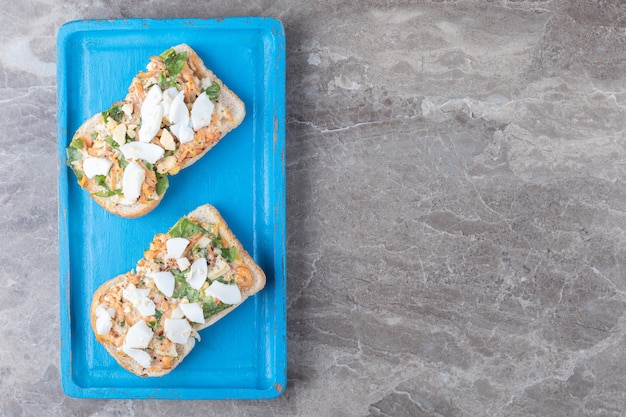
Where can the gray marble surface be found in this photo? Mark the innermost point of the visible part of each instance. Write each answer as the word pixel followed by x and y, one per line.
pixel 455 206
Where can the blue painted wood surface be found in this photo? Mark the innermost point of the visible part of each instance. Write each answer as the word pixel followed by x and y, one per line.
pixel 243 356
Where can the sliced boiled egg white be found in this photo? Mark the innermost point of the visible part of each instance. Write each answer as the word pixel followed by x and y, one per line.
pixel 177 330
pixel 153 97
pixel 96 166
pixel 201 112
pixel 132 181
pixel 226 293
pixel 168 96
pixel 183 132
pixel 138 336
pixel 151 114
pixel 197 273
pixel 193 311
pixel 146 307
pixel 139 356
pixel 139 299
pixel 219 268
pixel 164 281
pixel 176 246
pixel 132 293
pixel 104 320
pixel 178 111
pixel 177 313
pixel 140 150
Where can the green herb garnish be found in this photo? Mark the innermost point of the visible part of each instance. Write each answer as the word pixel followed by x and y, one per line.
pixel 185 228
pixel 123 162
pixel 200 252
pixel 114 113
pixel 162 183
pixel 229 254
pixel 210 307
pixel 213 91
pixel 77 143
pixel 111 142
pixel 74 155
pixel 173 61
pixel 107 192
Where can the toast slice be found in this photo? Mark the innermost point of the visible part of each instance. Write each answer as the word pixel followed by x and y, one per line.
pixel 148 319
pixel 174 113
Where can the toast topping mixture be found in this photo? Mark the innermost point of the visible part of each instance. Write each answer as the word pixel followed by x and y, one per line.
pixel 186 276
pixel 171 115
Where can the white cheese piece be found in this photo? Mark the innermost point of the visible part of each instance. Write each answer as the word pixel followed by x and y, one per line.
pixel 219 268
pixel 177 330
pixel 96 166
pixel 119 134
pixel 138 336
pixel 127 109
pixel 183 263
pixel 151 114
pixel 201 112
pixel 226 293
pixel 183 132
pixel 104 321
pixel 203 242
pixel 167 164
pixel 164 281
pixel 167 140
pixel 139 299
pixel 193 311
pixel 132 181
pixel 139 356
pixel 140 150
pixel 176 246
pixel 178 111
pixel 197 273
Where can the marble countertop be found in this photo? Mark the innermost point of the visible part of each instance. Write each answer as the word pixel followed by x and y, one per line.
pixel 455 208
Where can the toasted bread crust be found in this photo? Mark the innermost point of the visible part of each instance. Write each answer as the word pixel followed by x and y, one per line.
pixel 108 295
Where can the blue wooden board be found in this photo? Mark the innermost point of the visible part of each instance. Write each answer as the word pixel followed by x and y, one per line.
pixel 243 356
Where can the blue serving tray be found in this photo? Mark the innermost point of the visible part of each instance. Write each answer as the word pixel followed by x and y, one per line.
pixel 243 356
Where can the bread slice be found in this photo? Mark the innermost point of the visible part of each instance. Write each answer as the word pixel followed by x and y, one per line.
pixel 141 299
pixel 99 152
